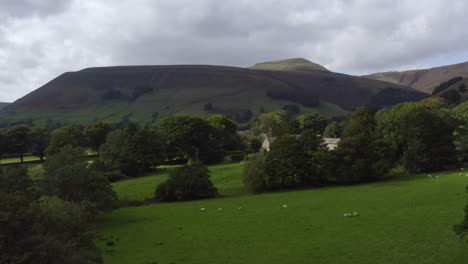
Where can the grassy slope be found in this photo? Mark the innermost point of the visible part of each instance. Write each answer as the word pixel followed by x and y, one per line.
pixel 424 80
pixel 401 221
pixel 455 87
pixel 295 64
pixel 2 105
pixel 78 97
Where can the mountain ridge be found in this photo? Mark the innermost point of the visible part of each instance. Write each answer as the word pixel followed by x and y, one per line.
pixel 424 80
pixel 148 93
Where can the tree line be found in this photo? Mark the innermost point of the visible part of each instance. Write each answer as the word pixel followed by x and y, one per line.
pixel 410 137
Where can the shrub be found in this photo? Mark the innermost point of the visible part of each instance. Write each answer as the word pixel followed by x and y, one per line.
pixel 236 155
pixel 189 182
pixel 398 172
pixel 255 177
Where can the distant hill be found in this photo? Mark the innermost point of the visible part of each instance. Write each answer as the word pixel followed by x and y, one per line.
pixel 295 64
pixel 424 80
pixel 453 91
pixel 148 93
pixel 2 105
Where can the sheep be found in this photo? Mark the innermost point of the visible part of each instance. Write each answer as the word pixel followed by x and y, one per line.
pixel 202 209
pixel 285 206
pixel 220 209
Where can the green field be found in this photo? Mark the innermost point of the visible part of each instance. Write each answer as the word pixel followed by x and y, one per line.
pixel 17 159
pixel 227 179
pixel 401 221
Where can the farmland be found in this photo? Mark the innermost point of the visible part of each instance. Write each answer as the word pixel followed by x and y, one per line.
pixel 404 220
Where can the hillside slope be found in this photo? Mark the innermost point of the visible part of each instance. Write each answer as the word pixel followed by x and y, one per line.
pixel 3 105
pixel 146 93
pixel 424 80
pixel 294 64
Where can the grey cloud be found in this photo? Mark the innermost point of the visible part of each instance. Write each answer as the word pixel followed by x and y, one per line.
pixel 23 8
pixel 42 39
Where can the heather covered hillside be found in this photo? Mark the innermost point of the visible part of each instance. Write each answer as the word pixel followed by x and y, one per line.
pixel 148 93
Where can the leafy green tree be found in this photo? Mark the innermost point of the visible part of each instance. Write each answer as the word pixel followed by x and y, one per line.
pixel 273 124
pixel 226 129
pixel 147 147
pixel 287 164
pixel 460 114
pixel 3 144
pixel 41 230
pixel 39 139
pixel 95 134
pixel 254 175
pixel 312 121
pixel 189 182
pixel 420 135
pixel 117 153
pixel 357 152
pixel 67 135
pixel 462 229
pixel 333 130
pixel 18 140
pixel 191 137
pixel 68 175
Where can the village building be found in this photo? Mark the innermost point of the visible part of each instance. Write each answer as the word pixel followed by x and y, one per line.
pixel 330 143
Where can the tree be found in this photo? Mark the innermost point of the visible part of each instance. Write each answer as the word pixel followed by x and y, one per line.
pixel 357 153
pixel 117 153
pixel 189 182
pixel 17 138
pixel 452 96
pixel 333 130
pixel 147 147
pixel 273 124
pixel 420 135
pixel 287 164
pixel 39 139
pixel 191 137
pixel 312 121
pixel 41 229
pixel 460 114
pixel 67 135
pixel 226 129
pixel 462 229
pixel 96 133
pixel 3 144
pixel 254 176
pixel 68 176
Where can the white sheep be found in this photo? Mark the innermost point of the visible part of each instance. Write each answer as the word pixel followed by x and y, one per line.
pixel 220 209
pixel 202 209
pixel 285 206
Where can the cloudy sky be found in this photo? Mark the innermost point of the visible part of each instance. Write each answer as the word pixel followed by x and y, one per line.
pixel 40 39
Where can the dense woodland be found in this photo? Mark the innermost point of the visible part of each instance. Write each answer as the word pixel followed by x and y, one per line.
pixel 54 212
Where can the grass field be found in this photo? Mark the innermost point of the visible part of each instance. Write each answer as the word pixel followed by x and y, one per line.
pixel 17 159
pixel 226 177
pixel 401 221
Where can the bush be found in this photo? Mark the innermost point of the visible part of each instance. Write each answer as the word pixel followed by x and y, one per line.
pixel 255 176
pixel 398 172
pixel 236 155
pixel 189 182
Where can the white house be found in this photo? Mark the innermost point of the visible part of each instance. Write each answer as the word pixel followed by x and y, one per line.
pixel 331 143
pixel 267 143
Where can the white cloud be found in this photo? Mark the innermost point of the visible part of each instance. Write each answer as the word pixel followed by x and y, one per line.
pixel 41 39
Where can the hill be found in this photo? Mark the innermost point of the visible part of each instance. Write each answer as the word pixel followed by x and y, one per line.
pixel 454 90
pixel 424 80
pixel 3 105
pixel 295 64
pixel 147 93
